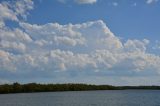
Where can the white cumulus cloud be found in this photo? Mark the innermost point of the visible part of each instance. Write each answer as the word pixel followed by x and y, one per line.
pixel 13 9
pixel 89 46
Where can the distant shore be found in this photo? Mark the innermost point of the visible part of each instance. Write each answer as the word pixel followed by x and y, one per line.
pixel 34 87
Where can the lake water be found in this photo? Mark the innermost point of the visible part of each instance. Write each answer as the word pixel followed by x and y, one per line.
pixel 84 98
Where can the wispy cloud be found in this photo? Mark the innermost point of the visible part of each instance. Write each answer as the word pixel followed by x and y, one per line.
pixel 115 4
pixel 157 45
pixel 85 1
pixel 151 1
pixel 134 4
pixel 79 1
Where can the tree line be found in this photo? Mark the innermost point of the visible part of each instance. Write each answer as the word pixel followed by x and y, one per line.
pixel 34 87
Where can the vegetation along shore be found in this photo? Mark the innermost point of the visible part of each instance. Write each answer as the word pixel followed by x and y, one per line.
pixel 34 87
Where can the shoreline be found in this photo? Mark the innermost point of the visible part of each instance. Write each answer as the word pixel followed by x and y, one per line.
pixel 37 88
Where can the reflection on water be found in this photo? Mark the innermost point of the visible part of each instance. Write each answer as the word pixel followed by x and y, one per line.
pixel 84 98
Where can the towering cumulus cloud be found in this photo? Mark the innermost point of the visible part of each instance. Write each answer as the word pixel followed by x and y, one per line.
pixel 86 46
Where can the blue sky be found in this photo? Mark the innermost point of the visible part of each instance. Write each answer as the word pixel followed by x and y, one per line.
pixel 81 41
pixel 142 17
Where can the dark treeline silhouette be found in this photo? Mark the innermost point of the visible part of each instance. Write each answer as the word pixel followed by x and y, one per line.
pixel 34 87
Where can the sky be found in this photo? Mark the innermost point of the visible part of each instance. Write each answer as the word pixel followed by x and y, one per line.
pixel 114 42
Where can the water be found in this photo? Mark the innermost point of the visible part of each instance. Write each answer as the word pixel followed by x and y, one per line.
pixel 84 98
